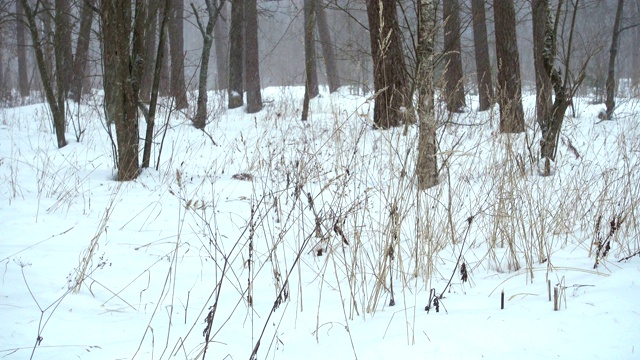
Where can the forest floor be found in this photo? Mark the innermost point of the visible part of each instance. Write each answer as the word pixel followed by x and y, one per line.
pixel 274 238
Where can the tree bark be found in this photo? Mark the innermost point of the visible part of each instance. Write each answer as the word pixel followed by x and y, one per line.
pixel 236 41
pixel 611 73
pixel 390 79
pixel 221 41
pixel 427 164
pixel 116 30
pixel 176 44
pixel 481 47
pixel 328 53
pixel 57 111
pixel 509 87
pixel 453 73
pixel 82 52
pixel 150 51
pixel 23 77
pixel 200 120
pixel 540 14
pixel 254 98
pixel 62 48
pixel 311 82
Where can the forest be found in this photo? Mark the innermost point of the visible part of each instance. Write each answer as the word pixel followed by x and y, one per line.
pixel 319 178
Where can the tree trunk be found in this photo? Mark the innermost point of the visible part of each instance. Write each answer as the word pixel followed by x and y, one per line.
pixel 62 48
pixel 540 14
pixel 311 83
pixel 453 73
pixel 23 77
pixel 176 44
pixel 116 30
pixel 165 72
pixel 200 120
pixel 481 47
pixel 236 41
pixel 221 35
pixel 328 53
pixel 635 76
pixel 254 98
pixel 509 88
pixel 611 73
pixel 390 79
pixel 150 51
pixel 427 164
pixel 57 112
pixel 82 52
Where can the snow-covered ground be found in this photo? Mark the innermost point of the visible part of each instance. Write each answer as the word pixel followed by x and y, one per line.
pixel 280 239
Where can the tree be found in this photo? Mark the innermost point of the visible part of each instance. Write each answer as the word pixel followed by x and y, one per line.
pixel 611 73
pixel 62 48
pixel 453 73
pixel 481 47
pixel 123 77
pixel 200 119
pixel 311 76
pixel 390 79
pixel 82 51
pixel 427 164
pixel 151 46
pixel 252 60
pixel 221 35
pixel 55 101
pixel 328 53
pixel 564 89
pixel 540 14
pixel 176 45
pixel 509 88
pixel 23 78
pixel 236 41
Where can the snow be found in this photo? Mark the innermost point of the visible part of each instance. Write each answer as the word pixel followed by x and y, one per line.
pixel 176 241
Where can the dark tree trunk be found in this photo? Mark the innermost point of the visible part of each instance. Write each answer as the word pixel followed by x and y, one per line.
pixel 328 53
pixel 62 48
pixel 254 98
pixel 427 164
pixel 236 41
pixel 539 14
pixel 151 48
pixel 611 73
pixel 221 35
pixel 82 52
pixel 481 47
pixel 176 44
pixel 57 110
pixel 116 32
pixel 23 77
pixel 453 74
pixel 390 79
pixel 165 71
pixel 509 88
pixel 200 120
pixel 311 83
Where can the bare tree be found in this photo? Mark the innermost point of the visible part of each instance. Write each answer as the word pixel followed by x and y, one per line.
pixel 252 60
pixel 328 53
pixel 23 78
pixel 221 35
pixel 453 73
pixel 151 46
pixel 483 62
pixel 509 87
pixel 176 45
pixel 611 73
pixel 390 78
pixel 540 14
pixel 62 47
pixel 55 101
pixel 200 119
pixel 311 76
pixel 82 51
pixel 427 164
pixel 125 73
pixel 236 46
